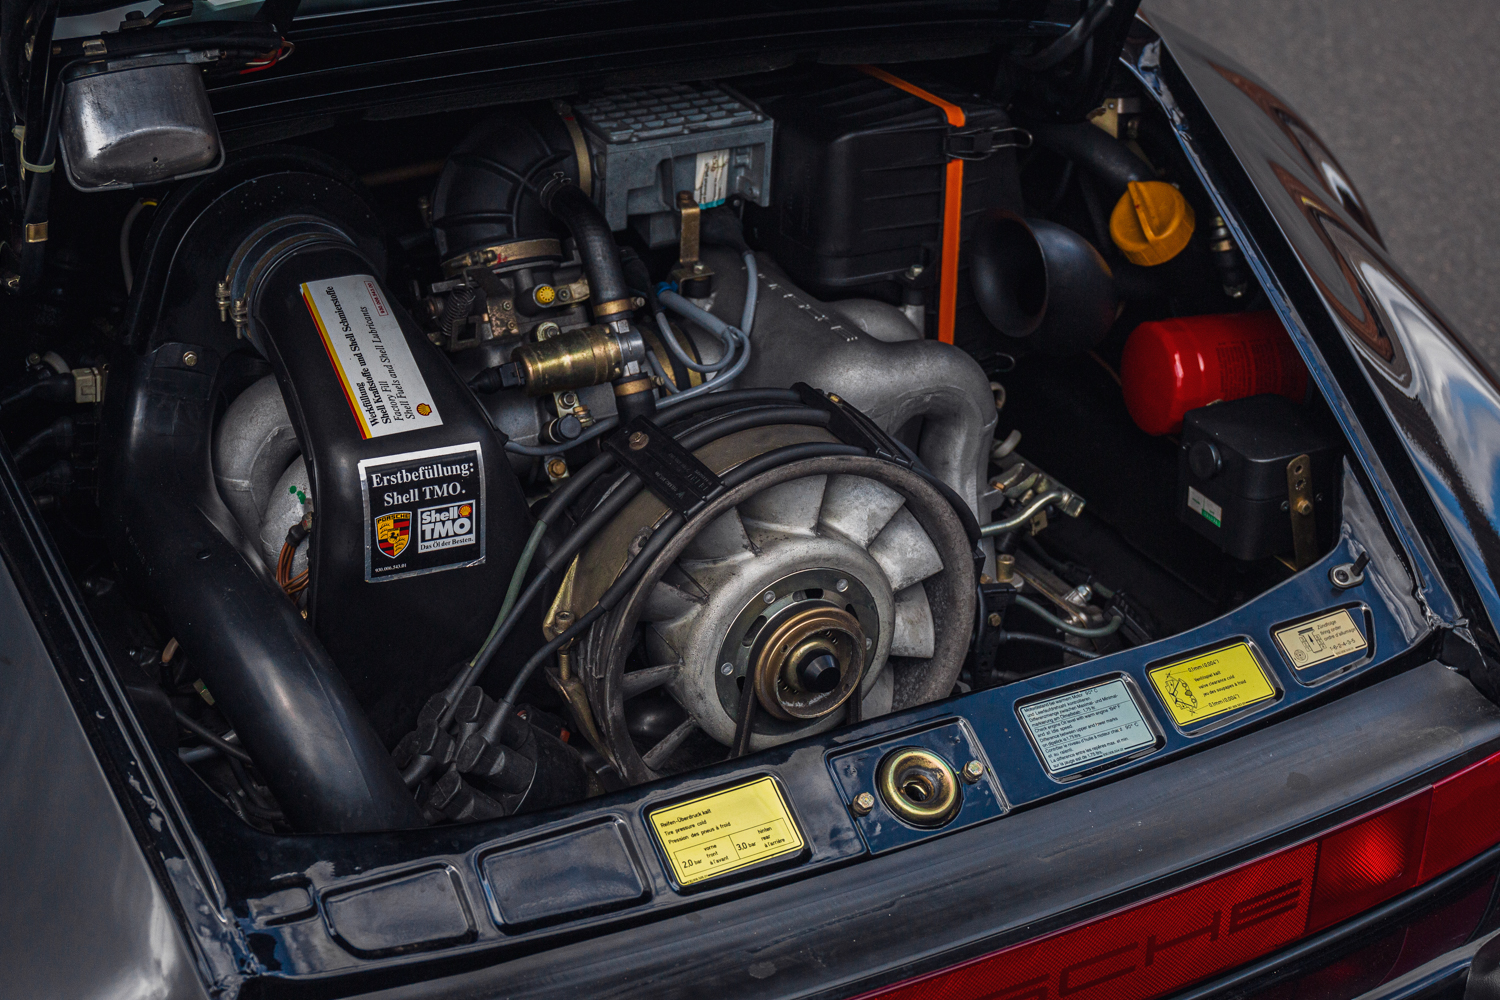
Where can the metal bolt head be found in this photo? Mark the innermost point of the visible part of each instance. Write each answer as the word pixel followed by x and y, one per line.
pixel 973 771
pixel 726 669
pixel 190 358
pixel 1304 506
pixel 995 619
pixel 841 586
pixel 698 268
pixel 915 271
pixel 506 305
pixel 568 399
pixel 769 597
pixel 557 468
pixel 638 440
pixel 862 804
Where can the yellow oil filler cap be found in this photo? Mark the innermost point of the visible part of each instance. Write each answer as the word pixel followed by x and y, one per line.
pixel 1151 223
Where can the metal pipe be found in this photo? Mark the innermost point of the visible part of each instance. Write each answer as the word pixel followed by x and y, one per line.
pixel 1083 633
pixel 1026 513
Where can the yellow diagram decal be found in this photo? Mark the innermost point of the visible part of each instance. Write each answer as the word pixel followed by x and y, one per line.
pixel 1211 684
pixel 727 830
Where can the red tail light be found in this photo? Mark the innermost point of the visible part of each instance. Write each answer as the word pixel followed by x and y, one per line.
pixel 1465 817
pixel 1365 862
pixel 1171 941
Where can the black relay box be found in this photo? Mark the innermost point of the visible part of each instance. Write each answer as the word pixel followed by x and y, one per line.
pixel 1232 474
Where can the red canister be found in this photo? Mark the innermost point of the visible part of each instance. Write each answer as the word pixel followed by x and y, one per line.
pixel 1171 366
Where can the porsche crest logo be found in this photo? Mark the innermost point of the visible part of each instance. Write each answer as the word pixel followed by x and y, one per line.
pixel 393 532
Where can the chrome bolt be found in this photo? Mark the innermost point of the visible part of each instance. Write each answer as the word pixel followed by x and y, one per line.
pixel 190 358
pixel 726 669
pixel 841 586
pixel 862 804
pixel 769 597
pixel 973 771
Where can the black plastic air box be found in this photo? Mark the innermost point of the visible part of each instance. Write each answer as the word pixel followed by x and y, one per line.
pixel 858 181
pixel 1232 474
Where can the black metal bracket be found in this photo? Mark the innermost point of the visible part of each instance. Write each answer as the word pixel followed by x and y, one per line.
pixel 674 475
pixel 851 426
pixel 983 142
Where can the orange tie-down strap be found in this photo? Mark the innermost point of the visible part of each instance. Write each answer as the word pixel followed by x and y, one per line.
pixel 953 205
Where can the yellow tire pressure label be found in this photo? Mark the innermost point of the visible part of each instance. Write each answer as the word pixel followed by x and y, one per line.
pixel 1210 684
pixel 1312 642
pixel 726 830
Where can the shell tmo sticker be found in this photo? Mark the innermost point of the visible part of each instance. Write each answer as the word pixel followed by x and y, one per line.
pixel 424 511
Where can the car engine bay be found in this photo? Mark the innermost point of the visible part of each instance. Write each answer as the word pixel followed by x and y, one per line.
pixel 432 470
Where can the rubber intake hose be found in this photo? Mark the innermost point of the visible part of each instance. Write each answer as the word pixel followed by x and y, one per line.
pixel 596 246
pixel 487 193
pixel 1097 151
pixel 269 675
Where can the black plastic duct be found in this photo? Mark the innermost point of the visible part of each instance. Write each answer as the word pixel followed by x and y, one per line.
pixel 270 676
pixel 1042 282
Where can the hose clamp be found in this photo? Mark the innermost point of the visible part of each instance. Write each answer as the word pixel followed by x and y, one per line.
pixel 503 255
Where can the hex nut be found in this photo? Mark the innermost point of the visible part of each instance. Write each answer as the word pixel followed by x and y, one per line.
pixel 190 358
pixel 973 771
pixel 862 804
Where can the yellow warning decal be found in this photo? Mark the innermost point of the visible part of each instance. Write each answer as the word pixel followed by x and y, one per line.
pixel 719 833
pixel 1311 642
pixel 1210 684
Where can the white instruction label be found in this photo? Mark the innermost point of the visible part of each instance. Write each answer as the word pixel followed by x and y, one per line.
pixel 1312 642
pixel 1085 726
pixel 1211 511
pixel 381 382
pixel 711 178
